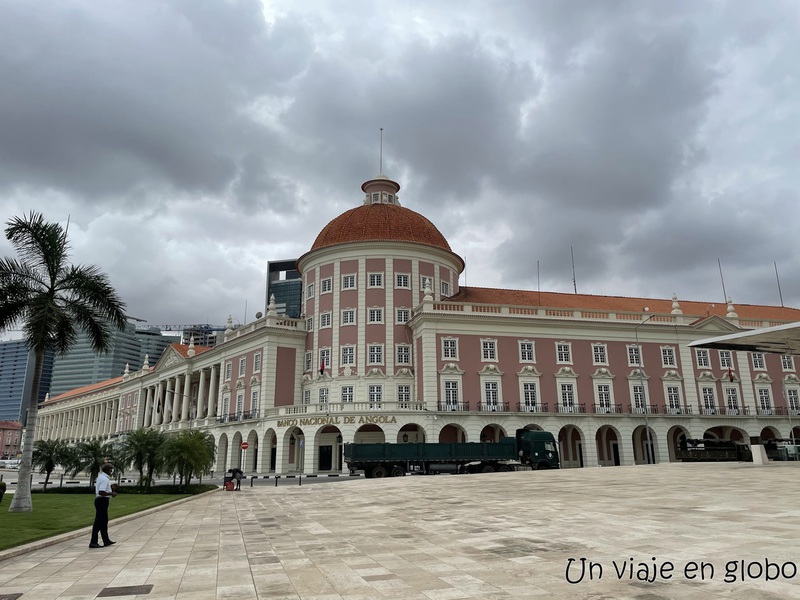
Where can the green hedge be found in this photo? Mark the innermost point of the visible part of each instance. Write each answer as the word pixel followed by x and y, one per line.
pixel 193 489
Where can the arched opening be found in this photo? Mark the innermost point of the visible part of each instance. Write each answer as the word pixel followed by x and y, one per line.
pixel 644 451
pixel 533 427
pixel 677 438
pixel 411 433
pixel 570 445
pixel 369 434
pixel 492 433
pixel 452 434
pixel 222 453
pixel 329 449
pixel 295 441
pixel 608 447
pixel 250 456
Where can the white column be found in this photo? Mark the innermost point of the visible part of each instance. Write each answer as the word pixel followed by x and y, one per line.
pixel 213 393
pixel 169 397
pixel 201 395
pixel 186 398
pixel 159 415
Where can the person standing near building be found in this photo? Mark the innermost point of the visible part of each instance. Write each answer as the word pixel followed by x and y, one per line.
pixel 104 491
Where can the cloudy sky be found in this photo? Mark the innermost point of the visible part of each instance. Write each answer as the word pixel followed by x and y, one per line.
pixel 190 142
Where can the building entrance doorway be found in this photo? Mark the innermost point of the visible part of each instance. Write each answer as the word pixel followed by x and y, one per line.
pixel 325 458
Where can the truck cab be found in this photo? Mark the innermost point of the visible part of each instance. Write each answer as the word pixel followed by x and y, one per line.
pixel 537 449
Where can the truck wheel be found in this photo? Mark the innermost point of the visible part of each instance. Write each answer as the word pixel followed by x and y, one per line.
pixel 542 466
pixel 504 469
pixel 488 469
pixel 397 472
pixel 378 472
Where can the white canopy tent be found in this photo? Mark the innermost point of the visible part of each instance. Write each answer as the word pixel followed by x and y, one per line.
pixel 781 339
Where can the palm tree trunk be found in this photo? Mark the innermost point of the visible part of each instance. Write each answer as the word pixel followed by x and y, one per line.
pixel 21 501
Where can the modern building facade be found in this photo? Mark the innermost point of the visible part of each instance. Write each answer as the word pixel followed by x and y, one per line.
pixel 284 283
pixel 391 348
pixel 17 364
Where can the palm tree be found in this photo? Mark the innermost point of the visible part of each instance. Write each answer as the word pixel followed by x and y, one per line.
pixel 52 300
pixel 90 457
pixel 142 450
pixel 48 454
pixel 189 453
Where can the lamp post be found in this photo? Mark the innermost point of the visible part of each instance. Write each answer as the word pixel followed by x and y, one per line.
pixel 644 394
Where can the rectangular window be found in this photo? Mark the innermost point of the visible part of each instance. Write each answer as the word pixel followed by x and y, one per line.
pixel 758 361
pixel 242 366
pixel 567 396
pixel 375 315
pixel 325 320
pixel 709 402
pixel 348 355
pixel 403 315
pixel 563 353
pixel 228 370
pixel 240 403
pixel 451 395
pixel 725 359
pixel 702 358
pixel 794 401
pixel 673 400
pixel 489 349
pixel 529 397
pixel 599 354
pixel 765 401
pixel 404 395
pixel 323 395
pixel 403 355
pixel 226 406
pixel 732 398
pixel 306 396
pixel 639 400
pixel 450 348
pixel 526 352
pixel 604 396
pixel 402 280
pixel 668 357
pixel 349 316
pixel 254 404
pixel 310 324
pixel 634 356
pixel 376 355
pixel 308 361
pixel 375 396
pixel 787 362
pixel 347 393
pixel 426 282
pixel 445 289
pixel 490 395
pixel 375 280
pixel 310 291
pixel 325 286
pixel 325 358
pixel 257 363
pixel 348 282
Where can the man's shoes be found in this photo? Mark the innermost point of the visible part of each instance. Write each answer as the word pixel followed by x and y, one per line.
pixel 109 543
pixel 95 546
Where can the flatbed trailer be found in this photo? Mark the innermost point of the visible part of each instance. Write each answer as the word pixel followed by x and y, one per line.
pixel 529 448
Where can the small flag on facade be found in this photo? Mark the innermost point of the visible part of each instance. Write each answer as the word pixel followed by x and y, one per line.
pixel 730 374
pixel 322 367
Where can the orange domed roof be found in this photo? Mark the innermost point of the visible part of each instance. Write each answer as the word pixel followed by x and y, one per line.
pixel 380 223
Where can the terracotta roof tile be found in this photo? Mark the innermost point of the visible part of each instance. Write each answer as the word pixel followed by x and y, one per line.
pixel 476 295
pixel 183 350
pixel 10 425
pixel 85 389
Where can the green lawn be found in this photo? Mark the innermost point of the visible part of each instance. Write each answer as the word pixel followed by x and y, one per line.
pixel 58 513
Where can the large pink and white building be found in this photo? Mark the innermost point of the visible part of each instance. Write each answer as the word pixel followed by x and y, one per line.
pixel 392 348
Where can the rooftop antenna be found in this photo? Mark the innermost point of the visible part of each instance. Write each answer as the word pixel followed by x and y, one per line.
pixel 538 283
pixel 722 279
pixel 574 283
pixel 380 162
pixel 779 282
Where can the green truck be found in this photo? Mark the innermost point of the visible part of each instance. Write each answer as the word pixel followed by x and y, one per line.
pixel 536 449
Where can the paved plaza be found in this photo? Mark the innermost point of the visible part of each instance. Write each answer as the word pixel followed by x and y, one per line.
pixel 698 529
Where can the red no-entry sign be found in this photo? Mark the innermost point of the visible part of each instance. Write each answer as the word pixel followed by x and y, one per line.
pixel 245 445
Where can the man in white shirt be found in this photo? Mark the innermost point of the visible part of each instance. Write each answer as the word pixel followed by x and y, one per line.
pixel 104 491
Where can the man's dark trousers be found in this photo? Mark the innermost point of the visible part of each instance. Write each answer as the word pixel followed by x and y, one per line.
pixel 100 519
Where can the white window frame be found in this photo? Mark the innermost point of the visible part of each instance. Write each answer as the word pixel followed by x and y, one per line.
pixel 374 315
pixel 668 356
pixel 787 362
pixel 402 281
pixel 731 399
pixel 449 351
pixel 254 402
pixel 563 353
pixel 326 286
pixel 639 401
pixel 445 288
pixel 375 354
pixel 764 398
pixel 242 366
pixel 325 320
pixel 674 401
pixel 530 397
pixel 306 396
pixel 603 396
pixel 451 394
pixel 708 398
pixel 257 362
pixel 793 400
pixel 491 394
pixel 599 354
pixel 239 403
pixel 404 395
pixel 375 395
pixel 725 359
pixel 349 281
pixel 759 361
pixel 403 354
pixel 567 397
pixel 349 316
pixel 228 370
pixel 310 291
pixel 346 393
pixel 374 280
pixel 347 355
pixel 310 324
pixel 702 358
pixel 325 355
pixel 527 351
pixel 323 395
pixel 488 350
pixel 402 316
pixel 634 355
pixel 308 364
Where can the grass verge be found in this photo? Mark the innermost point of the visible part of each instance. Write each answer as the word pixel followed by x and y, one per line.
pixel 59 513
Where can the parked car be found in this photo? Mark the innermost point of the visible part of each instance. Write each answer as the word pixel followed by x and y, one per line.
pixel 10 463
